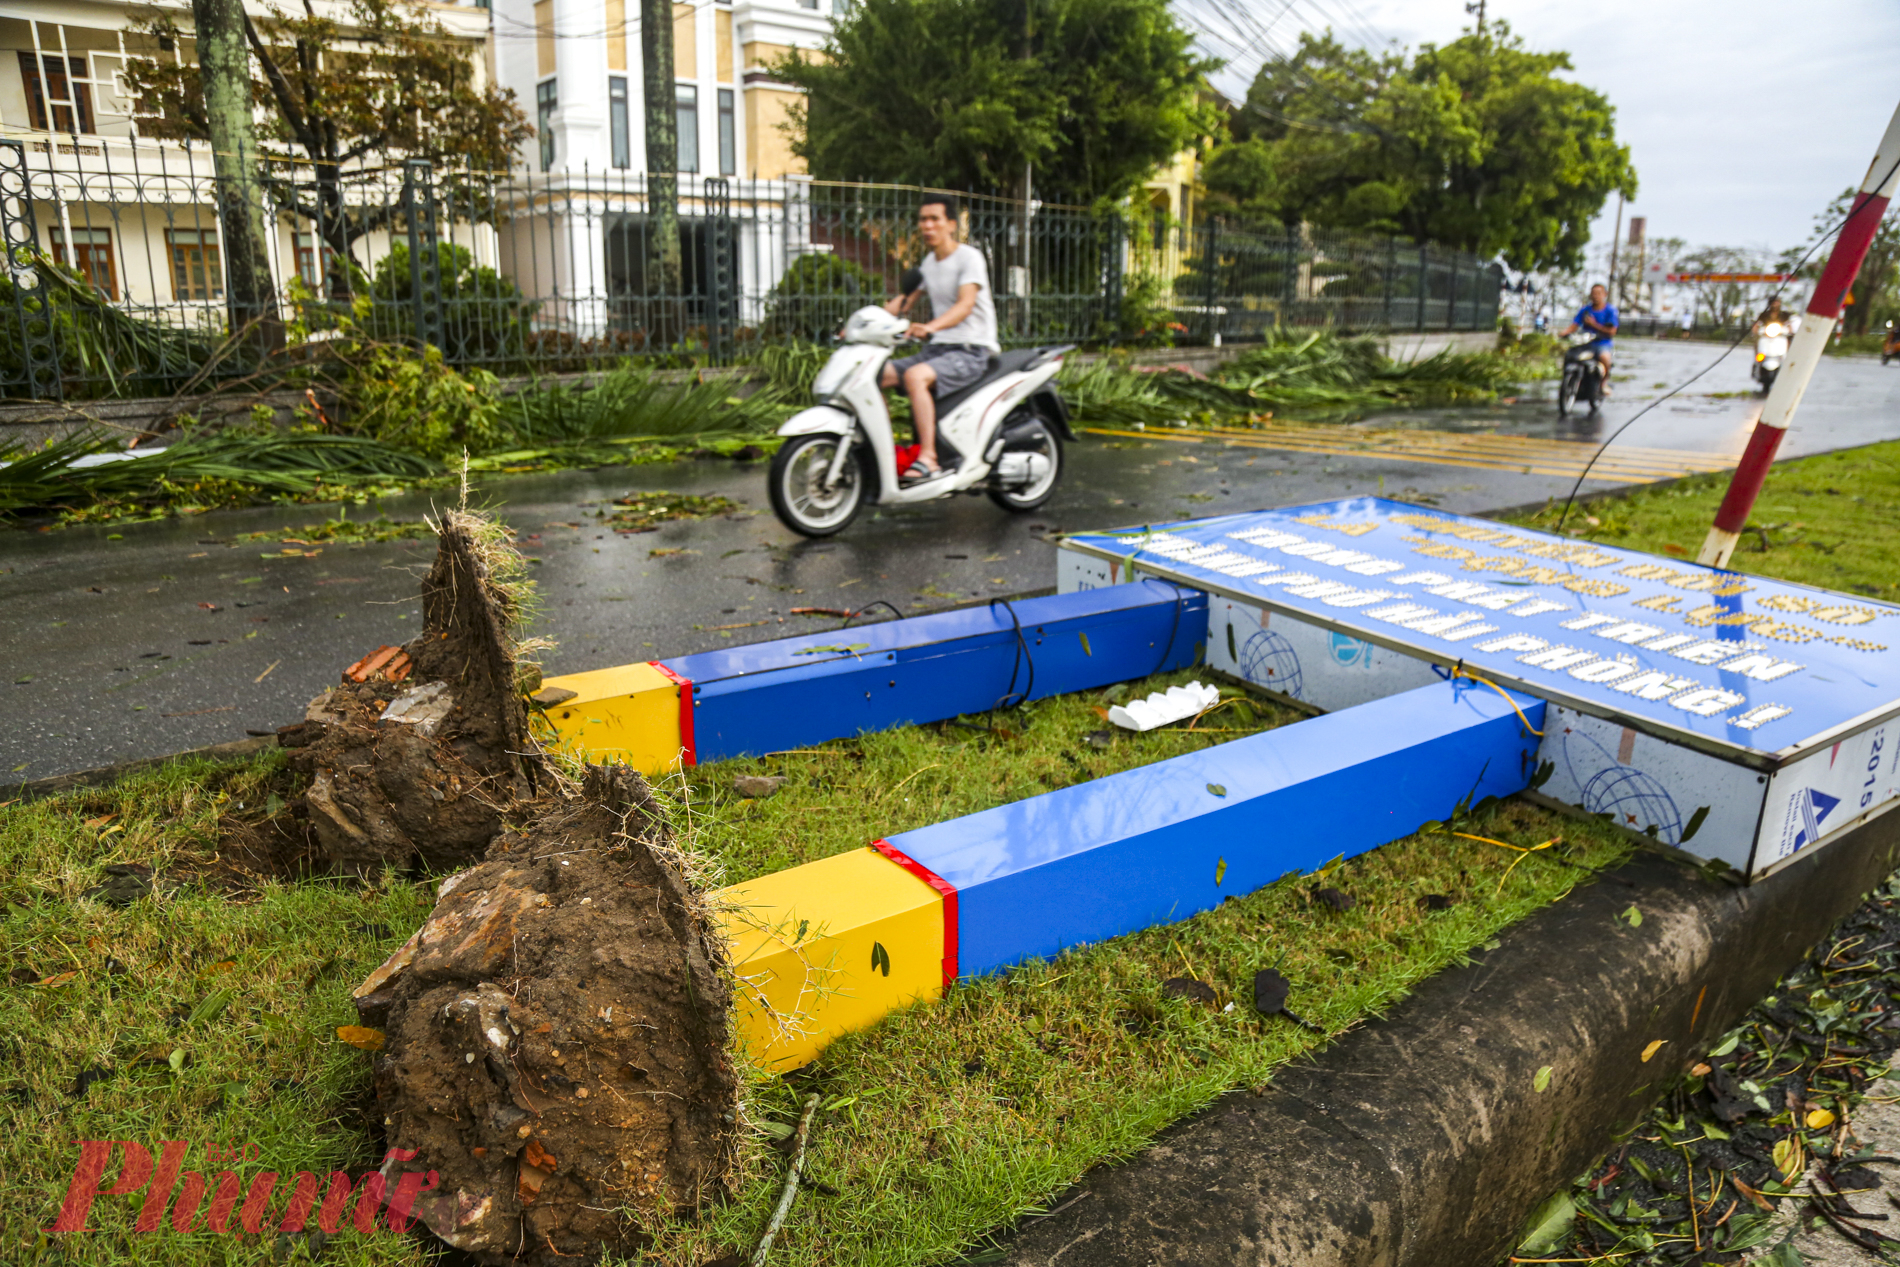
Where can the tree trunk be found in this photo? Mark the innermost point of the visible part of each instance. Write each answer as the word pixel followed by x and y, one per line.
pixel 224 66
pixel 662 144
pixel 333 230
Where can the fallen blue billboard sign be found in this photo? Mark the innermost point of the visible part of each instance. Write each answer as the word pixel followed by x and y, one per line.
pixel 1685 699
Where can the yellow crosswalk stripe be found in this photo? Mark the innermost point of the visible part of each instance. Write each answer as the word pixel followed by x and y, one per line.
pixel 1528 455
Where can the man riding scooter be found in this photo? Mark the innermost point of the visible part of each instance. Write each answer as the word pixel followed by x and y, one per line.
pixel 1597 316
pixel 962 329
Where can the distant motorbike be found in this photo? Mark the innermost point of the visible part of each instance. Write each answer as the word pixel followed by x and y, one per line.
pixel 1004 434
pixel 1771 349
pixel 1890 348
pixel 1582 381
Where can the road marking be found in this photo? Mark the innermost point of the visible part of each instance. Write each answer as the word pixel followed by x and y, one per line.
pixel 1486 452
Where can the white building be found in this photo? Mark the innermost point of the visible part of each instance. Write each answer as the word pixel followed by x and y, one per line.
pixel 577 232
pixel 132 213
pixel 575 65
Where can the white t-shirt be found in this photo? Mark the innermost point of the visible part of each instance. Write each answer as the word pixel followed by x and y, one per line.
pixel 943 278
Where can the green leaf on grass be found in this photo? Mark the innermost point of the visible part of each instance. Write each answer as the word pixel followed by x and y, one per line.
pixel 209 1008
pixel 1549 1225
pixel 1728 1045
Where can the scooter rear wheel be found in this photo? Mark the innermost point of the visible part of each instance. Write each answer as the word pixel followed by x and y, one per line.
pixel 1029 496
pixel 799 496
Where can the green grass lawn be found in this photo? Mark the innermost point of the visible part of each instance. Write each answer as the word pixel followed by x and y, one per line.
pixel 211 1006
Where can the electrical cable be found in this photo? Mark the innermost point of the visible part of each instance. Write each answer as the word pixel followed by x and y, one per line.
pixel 1180 601
pixel 1809 254
pixel 1015 665
pixel 1459 670
pixel 891 607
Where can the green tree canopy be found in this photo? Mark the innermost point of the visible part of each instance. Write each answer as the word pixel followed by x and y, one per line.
pixel 940 93
pixel 1876 289
pixel 1477 144
pixel 378 82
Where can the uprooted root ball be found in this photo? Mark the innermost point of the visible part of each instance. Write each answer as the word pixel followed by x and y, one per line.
pixel 556 1035
pixel 422 769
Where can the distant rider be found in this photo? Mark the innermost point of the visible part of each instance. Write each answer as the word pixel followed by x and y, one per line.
pixel 1772 313
pixel 957 279
pixel 1600 318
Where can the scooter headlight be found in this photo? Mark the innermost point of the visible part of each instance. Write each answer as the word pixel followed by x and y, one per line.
pixel 875 326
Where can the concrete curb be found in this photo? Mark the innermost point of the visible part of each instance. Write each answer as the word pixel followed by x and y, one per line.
pixel 100 775
pixel 1418 1140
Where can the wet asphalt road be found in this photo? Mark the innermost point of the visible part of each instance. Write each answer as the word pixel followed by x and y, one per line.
pixel 176 636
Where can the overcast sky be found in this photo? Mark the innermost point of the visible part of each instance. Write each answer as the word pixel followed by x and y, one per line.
pixel 1710 95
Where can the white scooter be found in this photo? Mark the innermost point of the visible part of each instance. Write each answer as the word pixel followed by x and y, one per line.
pixel 1771 349
pixel 1004 432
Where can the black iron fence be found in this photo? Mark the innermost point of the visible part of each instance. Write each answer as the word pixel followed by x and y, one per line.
pixel 117 284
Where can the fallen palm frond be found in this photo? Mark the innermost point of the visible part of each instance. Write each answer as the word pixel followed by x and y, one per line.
pixel 89 467
pixel 1317 372
pixel 99 348
pixel 792 367
pixel 1108 393
pixel 636 401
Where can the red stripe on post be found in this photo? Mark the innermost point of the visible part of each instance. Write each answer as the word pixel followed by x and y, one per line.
pixel 942 886
pixel 1746 484
pixel 688 757
pixel 1857 234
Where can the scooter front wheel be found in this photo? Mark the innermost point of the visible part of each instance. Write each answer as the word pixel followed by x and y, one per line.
pixel 1567 392
pixel 799 495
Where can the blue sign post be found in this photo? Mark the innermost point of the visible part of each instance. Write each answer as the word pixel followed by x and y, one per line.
pixel 1677 687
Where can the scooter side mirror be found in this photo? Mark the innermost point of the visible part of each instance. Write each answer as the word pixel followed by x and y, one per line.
pixel 911 281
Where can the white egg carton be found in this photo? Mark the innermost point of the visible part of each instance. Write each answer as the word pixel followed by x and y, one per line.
pixel 1172 705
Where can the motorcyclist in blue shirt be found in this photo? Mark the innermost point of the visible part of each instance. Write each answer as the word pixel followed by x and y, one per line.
pixel 1600 318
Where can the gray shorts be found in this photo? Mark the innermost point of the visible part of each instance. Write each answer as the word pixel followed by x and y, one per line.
pixel 957 366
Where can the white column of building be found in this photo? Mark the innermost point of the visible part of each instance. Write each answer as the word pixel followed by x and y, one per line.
pixel 579 181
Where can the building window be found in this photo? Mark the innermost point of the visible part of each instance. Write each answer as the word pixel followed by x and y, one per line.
pixel 90 257
pixel 545 102
pixel 313 263
pixel 687 98
pixel 728 135
pixel 197 271
pixel 71 102
pixel 617 119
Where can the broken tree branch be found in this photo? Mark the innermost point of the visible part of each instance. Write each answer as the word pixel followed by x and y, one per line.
pixel 791 1183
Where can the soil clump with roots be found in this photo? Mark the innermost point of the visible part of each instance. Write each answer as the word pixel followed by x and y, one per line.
pixel 556 1035
pixel 420 753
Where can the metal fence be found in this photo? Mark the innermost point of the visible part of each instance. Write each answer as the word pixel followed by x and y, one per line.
pixel 117 278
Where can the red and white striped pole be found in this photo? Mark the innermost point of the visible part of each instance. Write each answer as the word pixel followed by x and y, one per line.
pixel 1804 353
